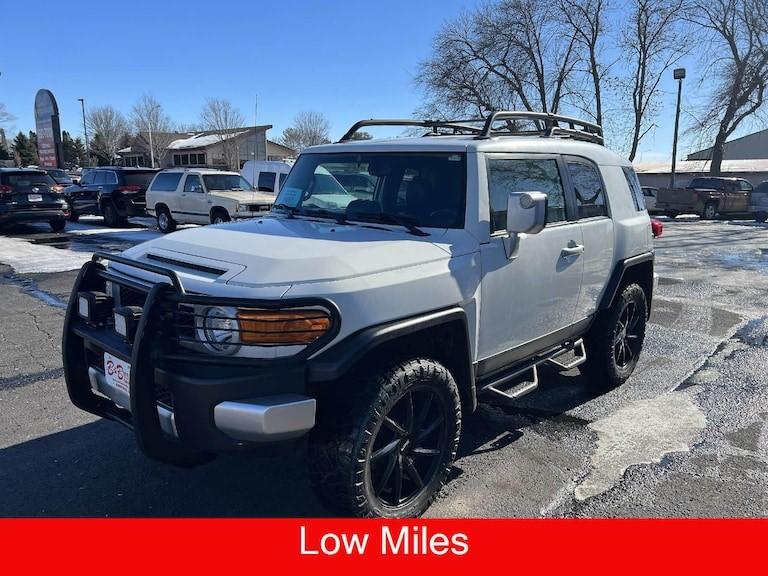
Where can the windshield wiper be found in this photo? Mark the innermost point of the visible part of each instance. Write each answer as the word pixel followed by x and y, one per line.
pixel 387 218
pixel 340 217
pixel 291 211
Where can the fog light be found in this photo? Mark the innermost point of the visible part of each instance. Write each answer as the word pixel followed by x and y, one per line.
pixel 127 321
pixel 94 307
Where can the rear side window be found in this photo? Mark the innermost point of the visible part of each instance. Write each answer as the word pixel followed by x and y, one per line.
pixel 193 184
pixel 267 181
pixel 138 178
pixel 524 175
pixel 283 176
pixel 634 188
pixel 588 186
pixel 745 186
pixel 166 182
pixel 100 177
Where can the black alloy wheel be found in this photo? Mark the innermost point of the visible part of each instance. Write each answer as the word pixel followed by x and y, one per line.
pixel 627 340
pixel 408 448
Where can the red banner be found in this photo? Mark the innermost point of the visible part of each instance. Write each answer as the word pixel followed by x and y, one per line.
pixel 375 547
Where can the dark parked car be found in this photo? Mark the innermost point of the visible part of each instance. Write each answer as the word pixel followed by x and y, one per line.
pixel 60 176
pixel 112 191
pixel 31 196
pixel 706 196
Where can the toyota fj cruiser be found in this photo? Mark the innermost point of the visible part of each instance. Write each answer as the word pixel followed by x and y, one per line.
pixel 373 325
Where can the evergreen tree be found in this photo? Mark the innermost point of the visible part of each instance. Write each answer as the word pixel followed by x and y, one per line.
pixel 74 150
pixel 25 149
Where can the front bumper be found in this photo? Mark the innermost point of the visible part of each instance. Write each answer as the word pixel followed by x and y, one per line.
pixel 180 406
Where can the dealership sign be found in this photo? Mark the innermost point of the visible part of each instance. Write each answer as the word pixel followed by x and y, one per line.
pixel 49 147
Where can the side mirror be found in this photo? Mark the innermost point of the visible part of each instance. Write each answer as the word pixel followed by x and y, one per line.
pixel 526 212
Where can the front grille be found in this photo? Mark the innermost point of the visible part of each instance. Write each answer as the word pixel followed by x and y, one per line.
pixel 258 207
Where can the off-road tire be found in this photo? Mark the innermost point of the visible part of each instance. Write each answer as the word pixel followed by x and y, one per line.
pixel 710 211
pixel 353 431
pixel 602 369
pixel 165 223
pixel 58 225
pixel 219 216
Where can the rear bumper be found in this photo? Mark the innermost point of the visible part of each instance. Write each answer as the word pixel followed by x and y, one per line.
pixel 33 215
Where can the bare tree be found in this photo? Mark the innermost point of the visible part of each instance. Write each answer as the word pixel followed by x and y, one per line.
pixel 308 129
pixel 586 20
pixel 148 115
pixel 109 128
pixel 654 39
pixel 225 121
pixel 736 35
pixel 508 53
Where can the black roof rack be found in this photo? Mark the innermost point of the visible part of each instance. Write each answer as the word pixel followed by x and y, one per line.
pixel 547 125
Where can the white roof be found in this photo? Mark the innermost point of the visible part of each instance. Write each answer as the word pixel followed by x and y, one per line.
pixel 467 143
pixel 200 140
pixel 702 166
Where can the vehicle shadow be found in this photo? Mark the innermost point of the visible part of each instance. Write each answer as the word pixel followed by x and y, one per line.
pixel 499 422
pixel 97 470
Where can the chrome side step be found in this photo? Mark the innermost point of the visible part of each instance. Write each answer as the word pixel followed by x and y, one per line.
pixel 530 384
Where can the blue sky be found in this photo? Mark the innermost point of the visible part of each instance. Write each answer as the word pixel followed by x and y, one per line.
pixel 348 60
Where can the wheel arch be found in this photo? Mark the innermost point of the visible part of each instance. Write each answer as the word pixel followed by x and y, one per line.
pixel 636 269
pixel 441 335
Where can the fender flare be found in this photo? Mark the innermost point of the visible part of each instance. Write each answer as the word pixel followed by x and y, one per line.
pixel 619 271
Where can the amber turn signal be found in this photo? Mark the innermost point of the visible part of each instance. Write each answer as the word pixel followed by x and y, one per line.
pixel 281 327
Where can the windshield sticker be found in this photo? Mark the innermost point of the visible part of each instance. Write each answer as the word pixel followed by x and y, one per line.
pixel 290 196
pixel 454 158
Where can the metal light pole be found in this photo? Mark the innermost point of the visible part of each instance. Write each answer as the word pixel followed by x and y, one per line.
pixel 85 131
pixel 679 74
pixel 149 122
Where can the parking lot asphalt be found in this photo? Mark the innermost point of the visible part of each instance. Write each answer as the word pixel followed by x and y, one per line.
pixel 685 436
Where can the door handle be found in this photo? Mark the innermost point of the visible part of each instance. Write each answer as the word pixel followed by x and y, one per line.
pixel 572 250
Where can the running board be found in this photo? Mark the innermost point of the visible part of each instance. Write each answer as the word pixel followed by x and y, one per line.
pixel 530 384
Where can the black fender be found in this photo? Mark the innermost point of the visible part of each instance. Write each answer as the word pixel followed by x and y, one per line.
pixel 333 363
pixel 640 264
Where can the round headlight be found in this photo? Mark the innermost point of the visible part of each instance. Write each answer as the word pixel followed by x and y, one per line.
pixel 218 329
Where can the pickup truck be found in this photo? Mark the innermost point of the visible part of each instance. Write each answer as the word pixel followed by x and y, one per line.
pixel 708 197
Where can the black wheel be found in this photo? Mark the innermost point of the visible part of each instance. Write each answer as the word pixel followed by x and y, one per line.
pixel 390 451
pixel 164 221
pixel 58 225
pixel 671 214
pixel 710 211
pixel 761 216
pixel 111 217
pixel 219 217
pixel 614 343
pixel 73 216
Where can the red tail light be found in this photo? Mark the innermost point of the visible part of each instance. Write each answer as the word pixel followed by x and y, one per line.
pixel 57 187
pixel 5 188
pixel 657 228
pixel 129 189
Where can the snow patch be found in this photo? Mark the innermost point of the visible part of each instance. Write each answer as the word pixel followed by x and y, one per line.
pixel 640 433
pixel 26 258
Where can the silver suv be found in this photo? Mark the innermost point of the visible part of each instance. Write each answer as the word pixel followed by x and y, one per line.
pixel 373 324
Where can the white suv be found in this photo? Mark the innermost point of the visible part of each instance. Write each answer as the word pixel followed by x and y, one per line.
pixel 374 324
pixel 203 196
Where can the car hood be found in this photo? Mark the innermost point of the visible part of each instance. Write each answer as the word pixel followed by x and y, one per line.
pixel 286 251
pixel 245 196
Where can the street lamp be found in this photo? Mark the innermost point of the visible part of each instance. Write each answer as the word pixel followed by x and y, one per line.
pixel 679 74
pixel 85 131
pixel 149 122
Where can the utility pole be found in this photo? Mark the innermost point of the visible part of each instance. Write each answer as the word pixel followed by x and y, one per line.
pixel 149 122
pixel 85 131
pixel 679 74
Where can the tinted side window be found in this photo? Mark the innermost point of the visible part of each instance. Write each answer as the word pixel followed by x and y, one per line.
pixel 110 177
pixel 193 184
pixel 166 182
pixel 745 186
pixel 283 176
pixel 267 181
pixel 87 179
pixel 524 175
pixel 634 188
pixel 99 178
pixel 590 197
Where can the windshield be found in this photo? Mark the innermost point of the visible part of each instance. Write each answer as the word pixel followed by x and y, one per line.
pixel 59 175
pixel 28 180
pixel 425 189
pixel 226 182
